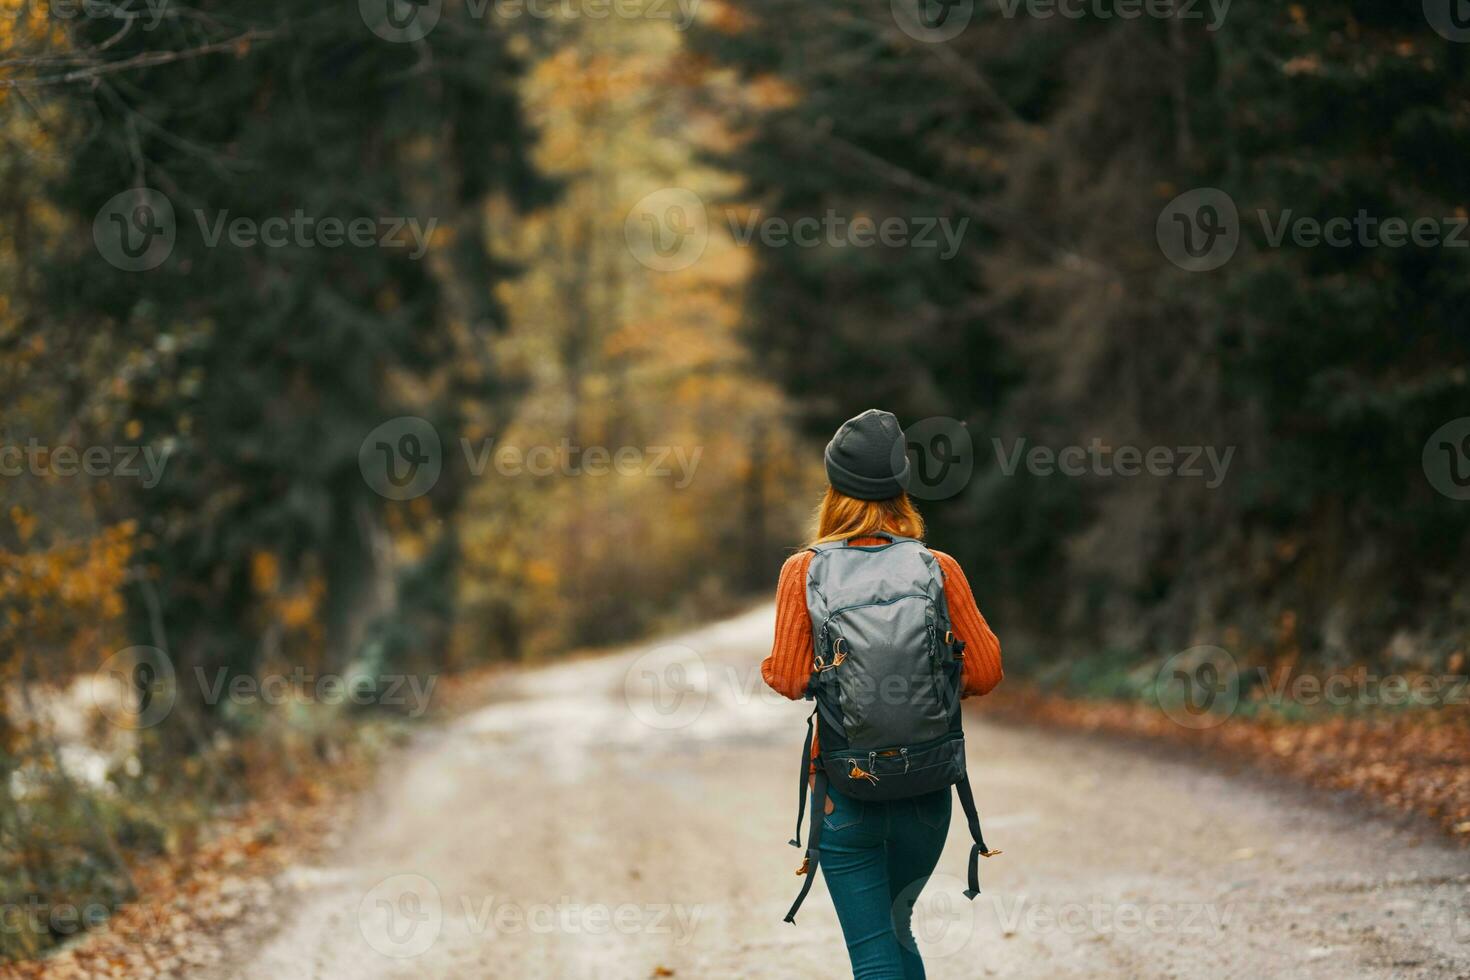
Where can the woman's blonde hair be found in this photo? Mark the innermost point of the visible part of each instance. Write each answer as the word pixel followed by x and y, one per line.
pixel 840 517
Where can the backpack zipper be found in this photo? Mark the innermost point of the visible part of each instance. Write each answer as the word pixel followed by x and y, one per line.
pixel 873 760
pixel 876 602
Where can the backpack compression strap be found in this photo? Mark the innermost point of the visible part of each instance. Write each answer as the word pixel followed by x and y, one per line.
pixel 813 841
pixel 979 850
pixel 806 765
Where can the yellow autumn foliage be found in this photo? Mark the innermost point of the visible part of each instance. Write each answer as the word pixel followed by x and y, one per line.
pixel 57 596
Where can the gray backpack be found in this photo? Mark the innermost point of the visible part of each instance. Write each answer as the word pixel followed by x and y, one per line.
pixel 886 682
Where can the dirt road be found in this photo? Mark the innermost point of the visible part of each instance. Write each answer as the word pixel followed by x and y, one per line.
pixel 620 817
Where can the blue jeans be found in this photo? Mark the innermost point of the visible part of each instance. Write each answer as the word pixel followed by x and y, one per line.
pixel 876 858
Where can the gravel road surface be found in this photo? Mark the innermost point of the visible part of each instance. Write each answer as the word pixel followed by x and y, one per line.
pixel 627 817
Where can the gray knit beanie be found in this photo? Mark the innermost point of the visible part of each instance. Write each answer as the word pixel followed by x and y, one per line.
pixel 867 457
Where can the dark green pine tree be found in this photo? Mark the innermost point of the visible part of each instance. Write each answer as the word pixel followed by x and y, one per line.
pixel 1355 353
pixel 267 365
pixel 1061 320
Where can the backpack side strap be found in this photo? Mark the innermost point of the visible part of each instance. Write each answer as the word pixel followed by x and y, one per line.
pixel 979 850
pixel 813 841
pixel 806 765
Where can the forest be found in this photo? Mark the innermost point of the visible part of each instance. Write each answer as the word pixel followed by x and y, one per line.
pixel 389 343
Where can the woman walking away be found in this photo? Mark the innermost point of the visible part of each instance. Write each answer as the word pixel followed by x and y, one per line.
pixel 882 633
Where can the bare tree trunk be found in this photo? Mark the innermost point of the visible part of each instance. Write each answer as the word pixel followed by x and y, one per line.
pixel 1179 67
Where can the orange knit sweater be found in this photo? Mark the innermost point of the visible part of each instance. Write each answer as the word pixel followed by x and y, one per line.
pixel 789 666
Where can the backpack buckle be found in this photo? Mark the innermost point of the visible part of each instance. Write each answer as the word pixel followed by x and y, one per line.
pixel 949 638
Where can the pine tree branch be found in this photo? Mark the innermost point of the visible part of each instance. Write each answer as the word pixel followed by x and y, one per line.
pixel 147 59
pixel 1001 218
